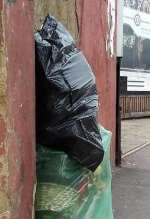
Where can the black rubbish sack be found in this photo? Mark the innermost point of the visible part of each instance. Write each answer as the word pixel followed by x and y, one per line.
pixel 66 96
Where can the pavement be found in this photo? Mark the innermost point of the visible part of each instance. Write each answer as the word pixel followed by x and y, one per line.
pixel 131 183
pixel 134 133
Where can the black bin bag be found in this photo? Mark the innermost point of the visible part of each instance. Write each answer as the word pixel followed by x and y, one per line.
pixel 66 96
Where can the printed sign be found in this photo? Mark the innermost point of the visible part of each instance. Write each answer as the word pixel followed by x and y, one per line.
pixel 138 21
pixel 136 44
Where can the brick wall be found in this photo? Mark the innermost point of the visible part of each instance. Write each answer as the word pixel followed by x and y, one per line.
pixel 17 125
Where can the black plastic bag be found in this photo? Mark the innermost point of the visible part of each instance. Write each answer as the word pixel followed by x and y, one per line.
pixel 67 101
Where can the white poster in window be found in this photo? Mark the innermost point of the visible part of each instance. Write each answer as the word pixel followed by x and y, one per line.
pixel 136 21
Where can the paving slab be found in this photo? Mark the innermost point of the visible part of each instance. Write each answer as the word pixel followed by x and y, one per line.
pixel 131 187
pixel 138 160
pixel 134 133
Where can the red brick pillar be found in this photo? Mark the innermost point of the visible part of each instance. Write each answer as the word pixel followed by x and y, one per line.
pixel 17 109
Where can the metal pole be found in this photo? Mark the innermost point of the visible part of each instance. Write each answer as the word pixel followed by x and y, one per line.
pixel 118 116
pixel 119 58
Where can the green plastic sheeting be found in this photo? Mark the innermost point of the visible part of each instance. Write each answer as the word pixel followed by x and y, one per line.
pixel 66 190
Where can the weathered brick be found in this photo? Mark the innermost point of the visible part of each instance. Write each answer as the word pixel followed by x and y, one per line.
pixel 4 203
pixel 63 10
pixel 4 200
pixel 3 133
pixel 17 109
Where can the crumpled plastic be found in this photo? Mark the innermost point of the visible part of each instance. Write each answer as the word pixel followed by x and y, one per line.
pixel 66 97
pixel 66 190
